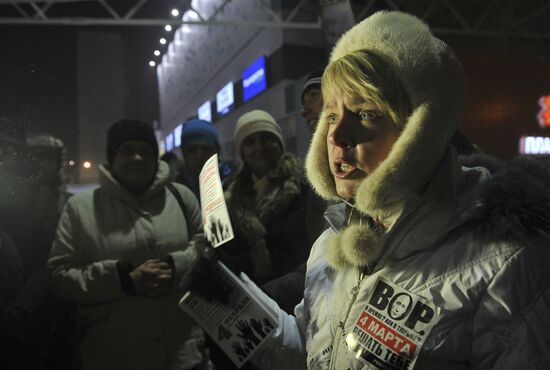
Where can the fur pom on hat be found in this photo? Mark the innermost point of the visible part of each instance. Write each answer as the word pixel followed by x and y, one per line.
pixel 342 248
pixel 256 121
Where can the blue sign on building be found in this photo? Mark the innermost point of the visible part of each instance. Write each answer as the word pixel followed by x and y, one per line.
pixel 254 79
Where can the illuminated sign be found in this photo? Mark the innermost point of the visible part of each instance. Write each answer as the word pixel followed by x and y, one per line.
pixel 225 99
pixel 254 79
pixel 177 136
pixel 205 111
pixel 169 143
pixel 544 114
pixel 534 145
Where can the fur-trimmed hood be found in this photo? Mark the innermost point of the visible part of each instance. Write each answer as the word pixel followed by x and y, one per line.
pixel 434 82
pixel 286 182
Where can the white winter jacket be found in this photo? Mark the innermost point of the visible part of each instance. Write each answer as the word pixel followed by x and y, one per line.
pixel 101 227
pixel 487 276
pixel 472 241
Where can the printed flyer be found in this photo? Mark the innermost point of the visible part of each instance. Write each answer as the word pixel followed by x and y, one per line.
pixel 242 325
pixel 392 327
pixel 215 218
pixel 238 327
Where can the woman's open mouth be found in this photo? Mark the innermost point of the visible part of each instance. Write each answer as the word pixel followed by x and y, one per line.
pixel 344 170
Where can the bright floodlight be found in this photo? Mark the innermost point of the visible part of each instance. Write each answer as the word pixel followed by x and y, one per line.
pixel 168 28
pixel 162 41
pixel 175 12
pixel 192 14
pixel 156 52
pixel 87 165
pixel 152 63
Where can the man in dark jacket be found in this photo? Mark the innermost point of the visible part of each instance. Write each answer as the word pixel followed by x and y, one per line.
pixel 28 215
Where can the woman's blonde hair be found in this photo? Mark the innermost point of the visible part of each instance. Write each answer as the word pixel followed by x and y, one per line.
pixel 362 73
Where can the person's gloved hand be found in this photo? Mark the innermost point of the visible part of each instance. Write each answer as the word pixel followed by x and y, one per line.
pixel 204 277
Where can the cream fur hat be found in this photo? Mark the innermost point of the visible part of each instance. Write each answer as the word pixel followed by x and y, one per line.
pixel 256 121
pixel 434 83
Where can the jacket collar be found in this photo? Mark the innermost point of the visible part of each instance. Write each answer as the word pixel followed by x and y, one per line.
pixel 285 183
pixel 116 189
pixel 426 217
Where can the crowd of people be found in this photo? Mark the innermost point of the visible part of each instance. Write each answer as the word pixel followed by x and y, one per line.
pixel 385 221
pixel 92 281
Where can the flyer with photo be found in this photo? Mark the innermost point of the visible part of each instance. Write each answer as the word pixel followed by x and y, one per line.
pixel 215 218
pixel 238 327
pixel 392 327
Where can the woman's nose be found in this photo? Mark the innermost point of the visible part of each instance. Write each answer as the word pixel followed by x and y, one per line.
pixel 342 132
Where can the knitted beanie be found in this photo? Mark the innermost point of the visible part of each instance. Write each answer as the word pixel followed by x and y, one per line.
pixel 129 130
pixel 256 121
pixel 199 131
pixel 313 81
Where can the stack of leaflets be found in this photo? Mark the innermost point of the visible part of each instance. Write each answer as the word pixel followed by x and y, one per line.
pixel 241 325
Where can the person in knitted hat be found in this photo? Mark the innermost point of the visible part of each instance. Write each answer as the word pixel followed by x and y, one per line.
pixel 132 153
pixel 199 142
pixel 120 251
pixel 31 325
pixel 312 99
pixel 267 205
pixel 430 262
pixel 47 154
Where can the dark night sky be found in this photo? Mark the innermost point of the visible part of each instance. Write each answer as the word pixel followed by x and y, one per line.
pixel 37 75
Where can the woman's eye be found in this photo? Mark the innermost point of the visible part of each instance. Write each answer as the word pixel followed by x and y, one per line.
pixel 368 115
pixel 331 119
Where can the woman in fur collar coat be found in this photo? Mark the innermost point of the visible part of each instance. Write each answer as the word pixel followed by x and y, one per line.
pixel 429 264
pixel 267 205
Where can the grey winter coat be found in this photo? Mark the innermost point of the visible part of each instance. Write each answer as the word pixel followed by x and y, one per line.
pixel 102 227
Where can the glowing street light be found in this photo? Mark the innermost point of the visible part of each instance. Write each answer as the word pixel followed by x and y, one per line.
pixel 87 165
pixel 168 28
pixel 156 52
pixel 175 12
pixel 162 41
pixel 152 63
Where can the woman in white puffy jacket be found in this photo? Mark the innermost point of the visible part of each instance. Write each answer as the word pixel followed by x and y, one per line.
pixel 429 263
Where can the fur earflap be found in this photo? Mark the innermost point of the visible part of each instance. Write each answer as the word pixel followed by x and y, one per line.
pixel 317 166
pixel 356 245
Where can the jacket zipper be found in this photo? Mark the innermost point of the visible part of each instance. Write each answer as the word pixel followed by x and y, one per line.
pixel 341 324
